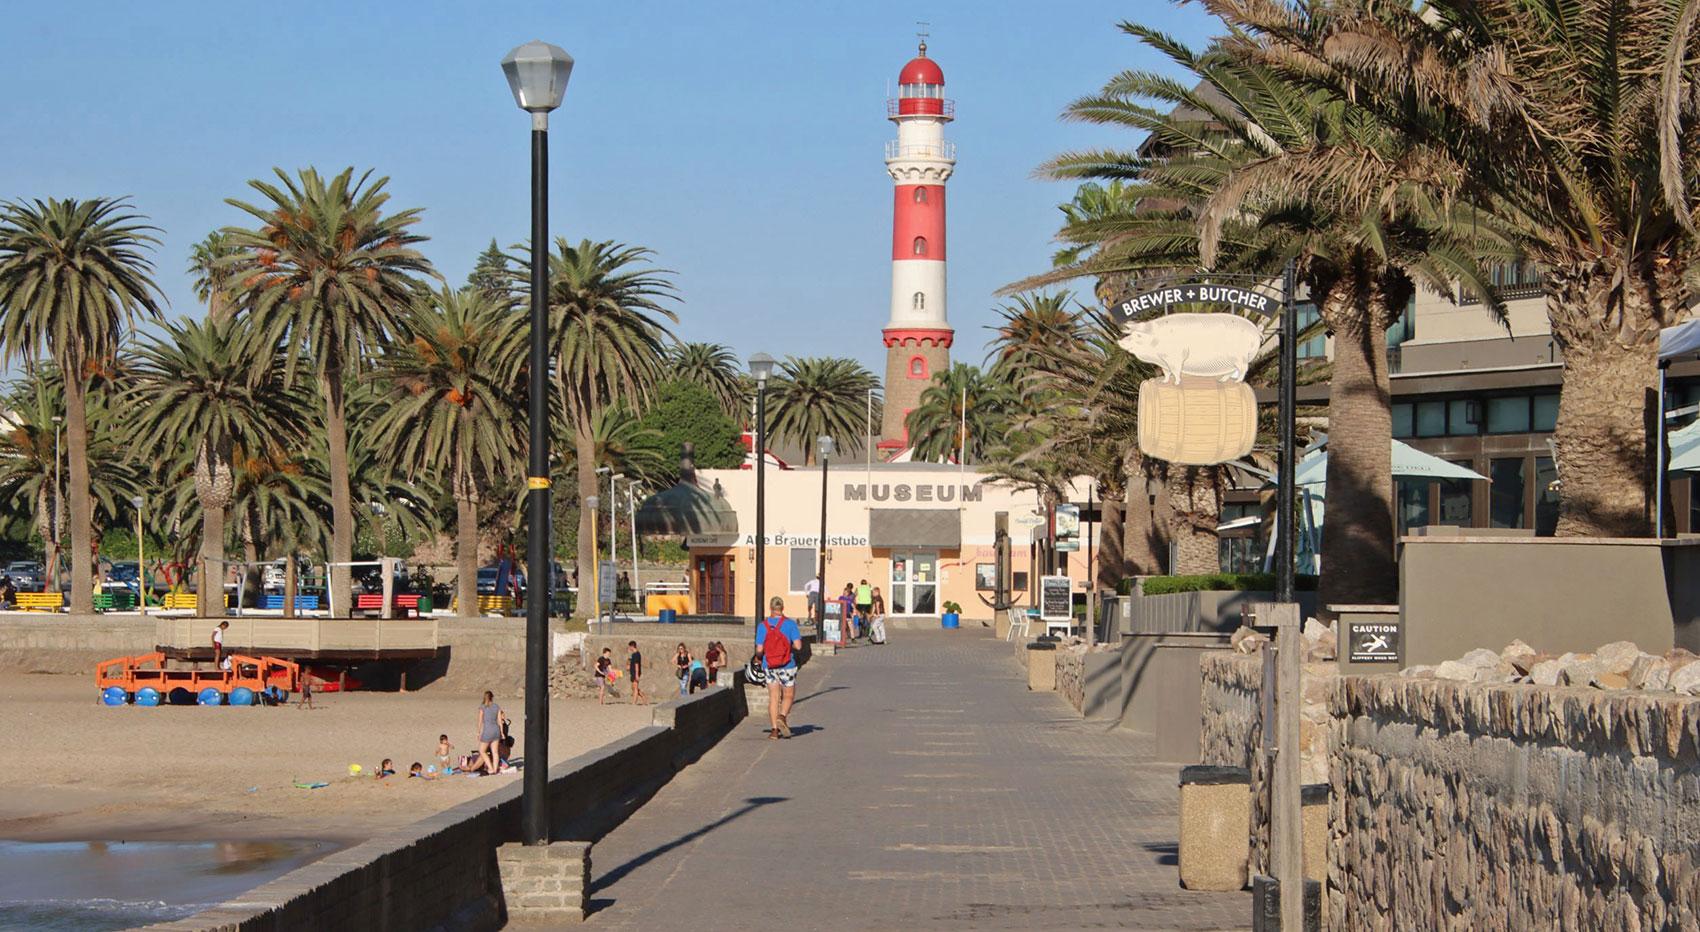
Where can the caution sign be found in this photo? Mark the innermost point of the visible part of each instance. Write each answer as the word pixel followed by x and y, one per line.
pixel 1373 641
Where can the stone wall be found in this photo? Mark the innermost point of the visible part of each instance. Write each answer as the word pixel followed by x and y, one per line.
pixel 443 871
pixel 1071 676
pixel 1232 733
pixel 1526 806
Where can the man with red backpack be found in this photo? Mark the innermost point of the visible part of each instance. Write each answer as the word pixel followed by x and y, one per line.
pixel 777 642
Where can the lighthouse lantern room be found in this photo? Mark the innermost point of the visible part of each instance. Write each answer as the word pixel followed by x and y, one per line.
pixel 917 332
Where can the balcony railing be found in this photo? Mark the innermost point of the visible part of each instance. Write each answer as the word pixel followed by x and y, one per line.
pixel 1506 292
pixel 940 150
pixel 893 103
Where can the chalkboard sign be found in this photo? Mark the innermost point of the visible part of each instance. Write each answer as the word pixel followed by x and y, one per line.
pixel 1056 598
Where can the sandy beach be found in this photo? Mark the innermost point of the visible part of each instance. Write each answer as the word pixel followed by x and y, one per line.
pixel 82 770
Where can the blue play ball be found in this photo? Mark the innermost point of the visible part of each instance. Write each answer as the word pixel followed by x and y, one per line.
pixel 114 695
pixel 180 696
pixel 210 696
pixel 147 696
pixel 241 695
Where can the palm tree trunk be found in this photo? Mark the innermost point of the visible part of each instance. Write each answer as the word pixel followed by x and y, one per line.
pixel 342 510
pixel 82 507
pixel 290 584
pixel 1610 374
pixel 210 598
pixel 466 533
pixel 253 577
pixel 1196 499
pixel 1358 562
pixel 584 447
pixel 1111 565
pixel 1143 547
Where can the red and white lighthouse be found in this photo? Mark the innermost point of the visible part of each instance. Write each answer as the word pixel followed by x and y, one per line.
pixel 918 333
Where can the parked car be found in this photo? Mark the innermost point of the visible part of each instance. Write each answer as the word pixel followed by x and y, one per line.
pixel 26 575
pixel 371 578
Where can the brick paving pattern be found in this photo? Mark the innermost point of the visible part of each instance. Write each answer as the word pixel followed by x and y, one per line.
pixel 926 789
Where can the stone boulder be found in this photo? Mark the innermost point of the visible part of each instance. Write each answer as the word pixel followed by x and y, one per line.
pixel 1650 672
pixel 1686 679
pixel 1458 670
pixel 1546 672
pixel 1616 657
pixel 1247 641
pixel 1521 656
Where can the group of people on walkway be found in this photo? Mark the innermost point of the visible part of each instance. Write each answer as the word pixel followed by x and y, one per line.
pixel 859 607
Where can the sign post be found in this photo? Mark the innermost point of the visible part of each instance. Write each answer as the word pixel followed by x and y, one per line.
pixel 607 581
pixel 1056 598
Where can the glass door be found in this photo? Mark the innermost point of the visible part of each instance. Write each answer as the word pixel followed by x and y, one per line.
pixel 914 583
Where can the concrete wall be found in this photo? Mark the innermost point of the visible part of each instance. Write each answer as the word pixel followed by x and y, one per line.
pixel 1557 595
pixel 441 872
pixel 1196 611
pixel 50 643
pixel 1470 806
pixel 1090 680
pixel 1144 679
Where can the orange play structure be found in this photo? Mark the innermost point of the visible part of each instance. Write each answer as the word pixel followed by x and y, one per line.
pixel 255 673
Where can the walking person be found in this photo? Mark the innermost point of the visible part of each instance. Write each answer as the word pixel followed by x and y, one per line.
pixel 811 592
pixel 711 658
pixel 634 666
pixel 778 640
pixel 491 718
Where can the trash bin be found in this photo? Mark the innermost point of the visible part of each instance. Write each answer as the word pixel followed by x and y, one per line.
pixel 1042 666
pixel 1215 845
pixel 667 616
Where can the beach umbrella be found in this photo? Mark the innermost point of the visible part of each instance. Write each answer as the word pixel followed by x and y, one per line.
pixel 1408 463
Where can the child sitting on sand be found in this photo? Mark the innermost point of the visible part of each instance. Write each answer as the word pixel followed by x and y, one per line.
pixel 418 771
pixel 385 769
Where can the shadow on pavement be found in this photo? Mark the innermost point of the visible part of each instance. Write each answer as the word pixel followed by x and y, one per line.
pixel 829 689
pixel 612 877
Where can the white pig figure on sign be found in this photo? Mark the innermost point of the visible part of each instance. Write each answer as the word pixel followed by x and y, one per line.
pixel 1218 346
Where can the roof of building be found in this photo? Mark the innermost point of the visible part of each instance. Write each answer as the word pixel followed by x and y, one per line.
pixel 921 70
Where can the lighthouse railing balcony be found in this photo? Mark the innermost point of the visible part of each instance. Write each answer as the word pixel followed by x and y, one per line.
pixel 948 108
pixel 925 150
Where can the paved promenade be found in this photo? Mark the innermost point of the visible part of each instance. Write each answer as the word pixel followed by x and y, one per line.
pixel 926 788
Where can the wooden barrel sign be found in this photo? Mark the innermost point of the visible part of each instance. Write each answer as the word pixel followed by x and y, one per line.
pixel 1199 422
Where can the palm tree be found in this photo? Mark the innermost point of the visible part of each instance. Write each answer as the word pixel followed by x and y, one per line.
pixel 281 498
pixel 201 391
pixel 455 412
pixel 1033 329
pixel 209 273
pixel 609 345
pixel 627 447
pixel 819 396
pixel 712 366
pixel 73 278
pixel 1578 127
pixel 1215 187
pixel 327 272
pixel 936 423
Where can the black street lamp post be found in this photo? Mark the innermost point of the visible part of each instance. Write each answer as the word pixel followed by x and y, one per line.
pixel 826 449
pixel 537 74
pixel 761 366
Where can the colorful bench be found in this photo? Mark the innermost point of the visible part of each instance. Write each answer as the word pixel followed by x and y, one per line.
pixel 303 603
pixel 408 602
pixel 41 601
pixel 114 601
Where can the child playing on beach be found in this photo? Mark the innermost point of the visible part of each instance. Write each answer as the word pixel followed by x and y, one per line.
pixel 604 667
pixel 385 769
pixel 445 752
pixel 418 771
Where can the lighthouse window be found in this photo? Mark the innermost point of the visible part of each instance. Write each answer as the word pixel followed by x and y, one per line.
pixel 920 245
pixel 918 367
pixel 920 301
pixel 920 195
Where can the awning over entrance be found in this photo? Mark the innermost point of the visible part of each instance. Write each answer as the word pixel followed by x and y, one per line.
pixel 915 528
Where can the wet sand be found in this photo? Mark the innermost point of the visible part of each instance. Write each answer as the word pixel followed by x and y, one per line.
pixel 82 771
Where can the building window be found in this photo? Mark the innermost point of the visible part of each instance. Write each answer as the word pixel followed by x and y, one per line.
pixel 1402 420
pixel 920 245
pixel 919 302
pixel 985 577
pixel 917 367
pixel 1463 418
pixel 1413 503
pixel 1314 347
pixel 920 195
pixel 1456 502
pixel 1546 496
pixel 803 566
pixel 1546 413
pixel 1431 419
pixel 1508 415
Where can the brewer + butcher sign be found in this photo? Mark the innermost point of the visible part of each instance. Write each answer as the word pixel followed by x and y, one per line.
pixel 1200 412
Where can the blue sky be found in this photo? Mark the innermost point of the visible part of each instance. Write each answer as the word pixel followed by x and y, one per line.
pixel 743 142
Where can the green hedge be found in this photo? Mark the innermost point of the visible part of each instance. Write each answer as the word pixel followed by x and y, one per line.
pixel 1221 582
